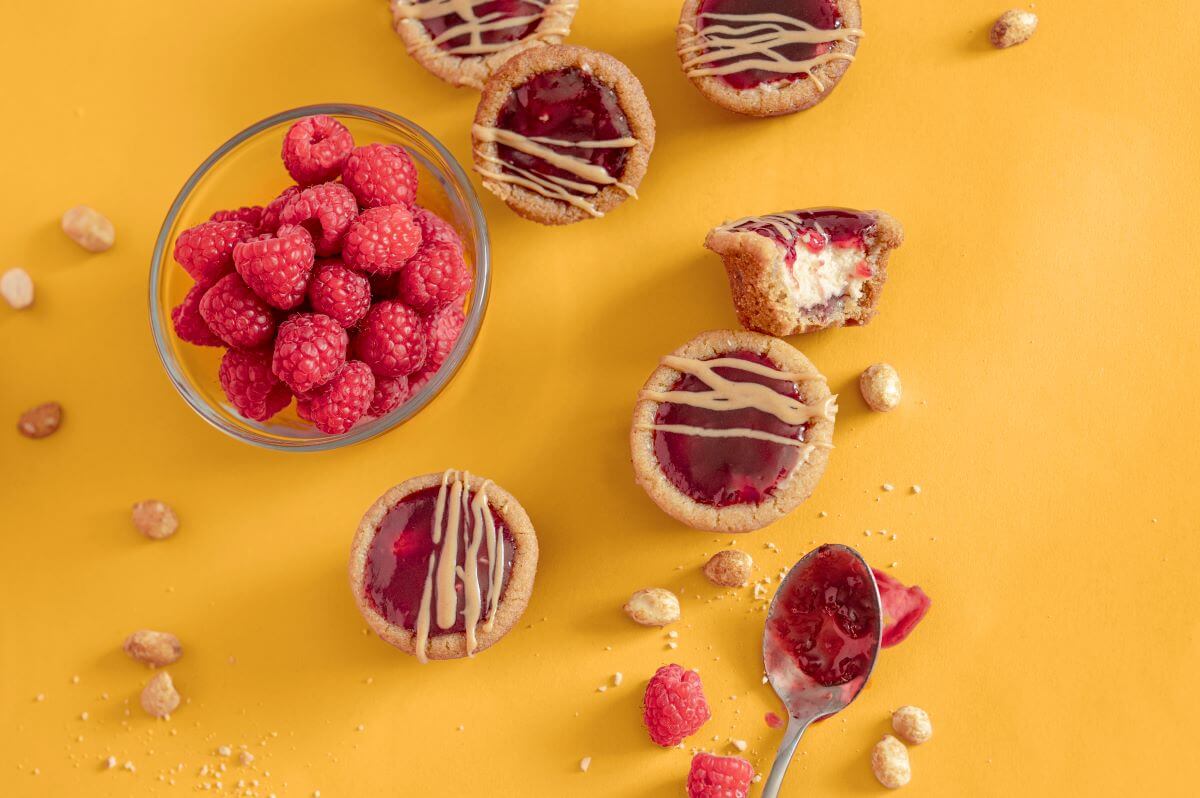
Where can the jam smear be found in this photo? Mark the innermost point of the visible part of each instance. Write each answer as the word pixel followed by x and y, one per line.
pixel 822 14
pixel 398 561
pixel 813 229
pixel 903 608
pixel 566 105
pixel 507 9
pixel 724 471
pixel 827 618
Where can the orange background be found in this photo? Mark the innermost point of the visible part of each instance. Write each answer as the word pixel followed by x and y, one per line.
pixel 1041 313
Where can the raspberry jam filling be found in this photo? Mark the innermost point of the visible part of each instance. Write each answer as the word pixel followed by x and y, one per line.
pixel 723 471
pixel 496 22
pixel 813 231
pixel 821 14
pixel 827 618
pixel 398 561
pixel 565 105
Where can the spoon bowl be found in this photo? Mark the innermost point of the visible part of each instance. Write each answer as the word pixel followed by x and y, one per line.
pixel 820 643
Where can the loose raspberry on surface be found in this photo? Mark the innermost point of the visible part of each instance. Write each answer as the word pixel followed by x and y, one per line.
pixel 435 229
pixel 714 776
pixel 277 269
pixel 271 213
pixel 338 404
pixel 251 386
pixel 236 314
pixel 390 393
pixel 381 240
pixel 188 324
pixel 250 214
pixel 674 706
pixel 434 278
pixel 381 174
pixel 325 211
pixel 206 250
pixel 309 350
pixel 315 149
pixel 392 340
pixel 442 331
pixel 338 292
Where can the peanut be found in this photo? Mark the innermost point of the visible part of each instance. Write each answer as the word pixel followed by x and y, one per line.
pixel 653 606
pixel 880 387
pixel 729 568
pixel 40 421
pixel 88 228
pixel 159 696
pixel 16 286
pixel 1014 27
pixel 154 519
pixel 912 724
pixel 889 763
pixel 153 648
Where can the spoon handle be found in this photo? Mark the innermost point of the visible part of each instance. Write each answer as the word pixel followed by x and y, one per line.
pixel 787 749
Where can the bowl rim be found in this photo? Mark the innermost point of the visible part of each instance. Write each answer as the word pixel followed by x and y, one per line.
pixel 466 339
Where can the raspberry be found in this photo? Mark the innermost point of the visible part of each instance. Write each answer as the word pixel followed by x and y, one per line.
pixel 251 386
pixel 206 250
pixel 390 393
pixel 309 350
pixel 714 776
pixel 277 269
pixel 315 149
pixel 442 330
pixel 392 341
pixel 381 174
pixel 189 326
pixel 674 706
pixel 325 211
pixel 236 314
pixel 381 240
pixel 339 293
pixel 335 406
pixel 250 214
pixel 270 217
pixel 434 278
pixel 435 229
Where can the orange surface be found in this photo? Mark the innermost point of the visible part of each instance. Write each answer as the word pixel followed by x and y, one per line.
pixel 1041 313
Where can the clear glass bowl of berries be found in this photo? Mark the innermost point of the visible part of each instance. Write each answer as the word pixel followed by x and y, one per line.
pixel 319 278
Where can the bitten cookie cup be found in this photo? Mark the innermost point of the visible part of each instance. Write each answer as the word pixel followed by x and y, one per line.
pixel 442 565
pixel 464 41
pixel 732 431
pixel 767 57
pixel 563 134
pixel 798 271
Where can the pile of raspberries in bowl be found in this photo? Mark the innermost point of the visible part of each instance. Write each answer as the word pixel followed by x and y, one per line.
pixel 334 303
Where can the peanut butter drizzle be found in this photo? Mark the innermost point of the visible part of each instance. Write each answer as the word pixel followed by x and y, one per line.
pixel 760 39
pixel 458 514
pixel 592 177
pixel 475 26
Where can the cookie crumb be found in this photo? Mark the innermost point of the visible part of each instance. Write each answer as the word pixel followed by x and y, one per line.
pixel 880 387
pixel 1014 27
pixel 617 678
pixel 40 421
pixel 740 745
pixel 889 763
pixel 153 648
pixel 916 489
pixel 16 286
pixel 912 724
pixel 653 606
pixel 888 487
pixel 154 519
pixel 159 696
pixel 88 228
pixel 110 762
pixel 729 568
pixel 585 763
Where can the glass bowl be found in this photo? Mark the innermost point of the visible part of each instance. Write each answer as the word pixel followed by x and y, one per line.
pixel 247 170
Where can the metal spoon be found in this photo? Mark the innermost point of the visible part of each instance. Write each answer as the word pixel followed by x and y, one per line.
pixel 806 699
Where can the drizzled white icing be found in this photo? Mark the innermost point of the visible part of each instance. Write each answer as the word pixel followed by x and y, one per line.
pixel 757 45
pixel 475 25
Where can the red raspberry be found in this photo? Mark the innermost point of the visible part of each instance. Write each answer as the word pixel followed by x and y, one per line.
pixel 381 174
pixel 381 240
pixel 435 229
pixel 442 330
pixel 315 149
pixel 674 705
pixel 390 393
pixel 719 777
pixel 277 269
pixel 339 293
pixel 434 278
pixel 309 350
pixel 335 406
pixel 325 211
pixel 270 217
pixel 206 250
pixel 250 214
pixel 392 341
pixel 251 386
pixel 189 326
pixel 236 314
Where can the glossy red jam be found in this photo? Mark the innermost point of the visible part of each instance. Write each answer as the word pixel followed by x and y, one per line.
pixel 822 14
pixel 815 230
pixel 827 619
pixel 398 561
pixel 491 12
pixel 724 471
pixel 567 105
